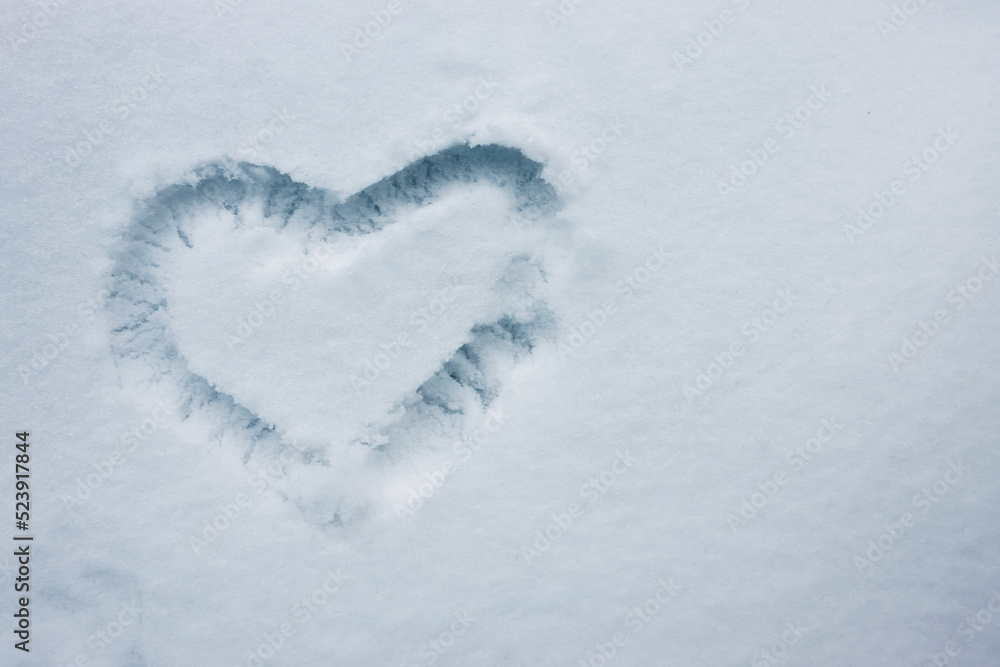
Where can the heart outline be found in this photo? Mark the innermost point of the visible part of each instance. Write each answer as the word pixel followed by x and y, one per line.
pixel 140 308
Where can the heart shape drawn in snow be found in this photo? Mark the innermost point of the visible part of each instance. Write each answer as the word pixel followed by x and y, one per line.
pixel 388 319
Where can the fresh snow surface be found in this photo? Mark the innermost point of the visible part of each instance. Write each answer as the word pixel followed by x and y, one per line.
pixel 577 333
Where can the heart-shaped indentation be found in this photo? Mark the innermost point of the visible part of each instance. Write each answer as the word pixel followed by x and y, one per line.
pixel 297 317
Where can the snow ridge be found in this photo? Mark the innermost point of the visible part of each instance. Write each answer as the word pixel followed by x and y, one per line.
pixel 253 194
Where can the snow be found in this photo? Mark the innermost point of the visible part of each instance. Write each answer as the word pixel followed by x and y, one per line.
pixel 568 333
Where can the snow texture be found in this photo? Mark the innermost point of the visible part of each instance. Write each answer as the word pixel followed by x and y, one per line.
pixel 405 333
